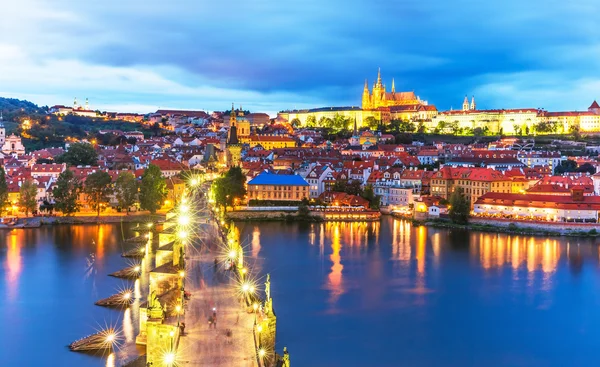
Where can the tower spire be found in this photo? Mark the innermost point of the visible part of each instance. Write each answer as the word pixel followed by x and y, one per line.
pixel 465 105
pixel 393 86
pixel 366 89
pixel 379 76
pixel 473 105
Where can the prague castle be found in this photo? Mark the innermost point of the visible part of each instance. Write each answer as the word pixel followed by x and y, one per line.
pixel 379 104
pixel 380 97
pixel 385 106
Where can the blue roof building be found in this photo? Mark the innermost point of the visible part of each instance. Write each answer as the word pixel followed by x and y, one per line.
pixel 272 187
pixel 273 179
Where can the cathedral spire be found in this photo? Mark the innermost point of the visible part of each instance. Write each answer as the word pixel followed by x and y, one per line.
pixel 393 86
pixel 473 105
pixel 379 76
pixel 366 89
pixel 465 105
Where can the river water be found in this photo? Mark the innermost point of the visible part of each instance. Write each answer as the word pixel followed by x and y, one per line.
pixel 346 294
pixel 388 294
pixel 50 278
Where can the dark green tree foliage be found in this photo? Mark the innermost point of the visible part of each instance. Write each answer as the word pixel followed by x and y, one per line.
pixel 459 207
pixel 66 192
pixel 97 187
pixel 369 195
pixel 153 189
pixel 3 191
pixel 78 154
pixel 587 168
pixel 372 123
pixel 27 196
pixel 565 166
pixel 126 189
pixel 229 187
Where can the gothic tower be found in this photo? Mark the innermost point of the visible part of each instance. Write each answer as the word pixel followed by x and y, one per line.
pixel 366 97
pixel 378 90
pixel 465 106
pixel 473 105
pixel 234 148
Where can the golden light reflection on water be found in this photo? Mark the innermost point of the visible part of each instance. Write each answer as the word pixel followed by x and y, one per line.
pixel 496 251
pixel 255 242
pixel 128 329
pixel 110 360
pixel 401 246
pixel 13 262
pixel 335 275
pixel 100 243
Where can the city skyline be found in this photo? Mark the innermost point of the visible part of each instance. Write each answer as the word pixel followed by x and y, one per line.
pixel 140 56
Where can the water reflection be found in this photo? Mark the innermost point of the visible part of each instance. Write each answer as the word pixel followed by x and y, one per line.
pixel 335 285
pixel 255 242
pixel 13 263
pixel 499 250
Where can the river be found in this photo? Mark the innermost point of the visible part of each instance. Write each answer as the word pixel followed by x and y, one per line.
pixel 50 278
pixel 388 294
pixel 346 294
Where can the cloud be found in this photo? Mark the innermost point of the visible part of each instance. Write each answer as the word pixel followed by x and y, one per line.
pixel 284 54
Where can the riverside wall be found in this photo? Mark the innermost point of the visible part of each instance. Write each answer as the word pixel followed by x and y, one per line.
pixel 560 227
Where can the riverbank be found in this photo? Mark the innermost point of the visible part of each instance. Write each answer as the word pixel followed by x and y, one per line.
pixel 520 228
pixel 270 216
pixel 34 222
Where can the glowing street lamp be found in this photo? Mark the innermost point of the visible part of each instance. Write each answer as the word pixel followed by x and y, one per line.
pixel 181 274
pixel 169 358
pixel 184 220
pixel 137 268
pixel 182 235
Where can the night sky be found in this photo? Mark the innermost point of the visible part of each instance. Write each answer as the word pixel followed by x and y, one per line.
pixel 268 55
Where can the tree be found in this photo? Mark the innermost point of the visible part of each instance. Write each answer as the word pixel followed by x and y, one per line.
pixel 65 193
pixel 153 189
pixel 311 121
pixel 79 154
pixel 587 168
pixel 295 123
pixel 97 188
pixel 369 195
pixel 3 191
pixel 568 165
pixel 459 207
pixel 372 123
pixel 325 122
pixel 126 189
pixel 229 187
pixel 27 196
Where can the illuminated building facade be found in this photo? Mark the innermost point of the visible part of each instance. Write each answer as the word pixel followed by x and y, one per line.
pixel 234 146
pixel 380 97
pixel 268 186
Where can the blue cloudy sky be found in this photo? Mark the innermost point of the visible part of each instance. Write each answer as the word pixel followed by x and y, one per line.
pixel 268 55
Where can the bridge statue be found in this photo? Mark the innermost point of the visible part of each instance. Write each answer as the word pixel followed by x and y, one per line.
pixel 268 287
pixel 286 357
